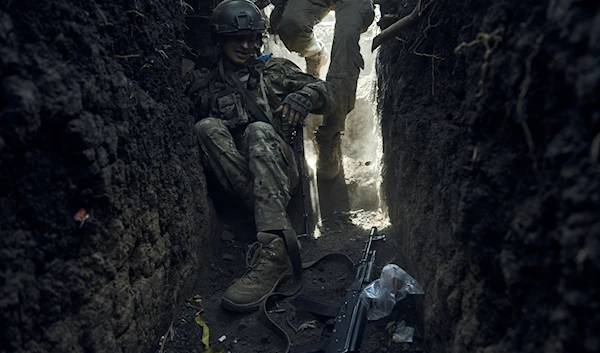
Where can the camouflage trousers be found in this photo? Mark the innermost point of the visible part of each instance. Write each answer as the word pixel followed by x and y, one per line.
pixel 255 165
pixel 294 22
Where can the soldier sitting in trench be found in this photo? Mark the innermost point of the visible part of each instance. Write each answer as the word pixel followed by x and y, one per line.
pixel 247 108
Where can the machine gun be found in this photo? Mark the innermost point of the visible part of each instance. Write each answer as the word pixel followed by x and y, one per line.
pixel 346 322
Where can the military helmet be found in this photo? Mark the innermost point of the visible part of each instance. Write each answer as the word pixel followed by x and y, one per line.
pixel 237 17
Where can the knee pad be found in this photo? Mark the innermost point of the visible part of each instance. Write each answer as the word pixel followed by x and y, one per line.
pixel 260 128
pixel 204 126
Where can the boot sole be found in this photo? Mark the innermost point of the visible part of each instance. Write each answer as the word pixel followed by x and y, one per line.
pixel 242 308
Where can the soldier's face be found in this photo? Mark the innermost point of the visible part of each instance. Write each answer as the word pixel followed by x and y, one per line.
pixel 237 49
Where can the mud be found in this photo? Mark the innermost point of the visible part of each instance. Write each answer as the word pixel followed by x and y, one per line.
pixel 327 282
pixel 92 117
pixel 489 158
pixel 489 116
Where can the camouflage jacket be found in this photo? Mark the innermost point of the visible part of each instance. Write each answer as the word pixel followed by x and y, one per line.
pixel 211 94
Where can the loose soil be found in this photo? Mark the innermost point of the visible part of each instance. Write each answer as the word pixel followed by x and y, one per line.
pixel 490 122
pixel 92 117
pixel 490 125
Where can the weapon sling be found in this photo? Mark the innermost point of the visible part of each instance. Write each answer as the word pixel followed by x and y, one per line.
pixel 294 288
pixel 350 339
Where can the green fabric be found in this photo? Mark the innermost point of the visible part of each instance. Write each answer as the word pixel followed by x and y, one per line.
pixel 250 158
pixel 295 24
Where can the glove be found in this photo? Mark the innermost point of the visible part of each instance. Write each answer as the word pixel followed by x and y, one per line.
pixel 298 102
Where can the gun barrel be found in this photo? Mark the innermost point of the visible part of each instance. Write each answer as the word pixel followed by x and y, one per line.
pixel 367 249
pixel 370 268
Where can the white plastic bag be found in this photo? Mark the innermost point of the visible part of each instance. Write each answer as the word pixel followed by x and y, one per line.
pixel 392 286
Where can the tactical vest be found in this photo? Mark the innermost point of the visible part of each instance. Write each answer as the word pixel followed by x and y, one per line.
pixel 230 103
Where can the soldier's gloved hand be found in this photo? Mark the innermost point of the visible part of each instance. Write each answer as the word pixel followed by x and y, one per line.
pixel 295 107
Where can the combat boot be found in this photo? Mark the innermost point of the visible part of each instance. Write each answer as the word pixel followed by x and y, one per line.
pixel 329 155
pixel 315 62
pixel 268 266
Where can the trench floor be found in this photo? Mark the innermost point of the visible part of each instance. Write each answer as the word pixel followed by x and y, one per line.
pixel 337 232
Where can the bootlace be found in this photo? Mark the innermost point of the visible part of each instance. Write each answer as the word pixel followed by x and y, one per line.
pixel 256 258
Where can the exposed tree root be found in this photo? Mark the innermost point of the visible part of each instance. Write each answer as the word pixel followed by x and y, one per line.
pixel 402 24
pixel 521 105
pixel 491 42
pixel 128 56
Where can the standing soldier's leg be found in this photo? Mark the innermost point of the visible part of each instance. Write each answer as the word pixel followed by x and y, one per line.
pixel 352 17
pixel 295 28
pixel 224 159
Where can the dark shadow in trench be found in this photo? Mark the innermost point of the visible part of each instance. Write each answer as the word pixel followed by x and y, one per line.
pixel 333 201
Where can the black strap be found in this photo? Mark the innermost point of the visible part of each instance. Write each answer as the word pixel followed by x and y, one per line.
pixel 295 287
pixel 293 250
pixel 316 307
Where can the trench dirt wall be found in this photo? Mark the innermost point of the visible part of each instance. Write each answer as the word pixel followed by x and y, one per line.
pixel 92 117
pixel 490 121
